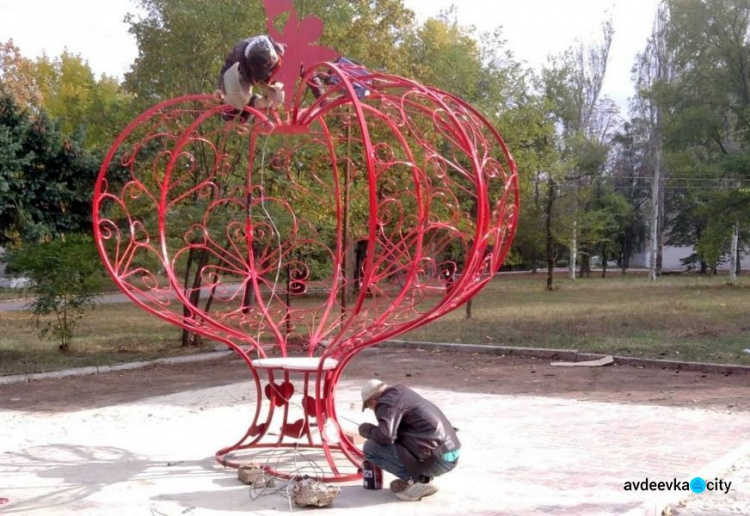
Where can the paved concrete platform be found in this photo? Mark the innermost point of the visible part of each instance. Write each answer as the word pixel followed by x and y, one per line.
pixel 521 455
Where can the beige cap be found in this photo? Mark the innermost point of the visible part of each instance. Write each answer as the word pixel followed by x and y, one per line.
pixel 370 389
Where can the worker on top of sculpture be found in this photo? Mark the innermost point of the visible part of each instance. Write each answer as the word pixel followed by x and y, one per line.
pixel 252 63
pixel 412 440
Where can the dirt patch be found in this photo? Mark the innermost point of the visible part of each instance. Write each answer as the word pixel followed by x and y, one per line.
pixel 447 370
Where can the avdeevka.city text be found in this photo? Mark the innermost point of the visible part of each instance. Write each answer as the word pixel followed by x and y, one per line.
pixel 677 485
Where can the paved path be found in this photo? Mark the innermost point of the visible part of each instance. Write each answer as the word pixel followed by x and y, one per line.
pixel 735 502
pixel 521 455
pixel 23 304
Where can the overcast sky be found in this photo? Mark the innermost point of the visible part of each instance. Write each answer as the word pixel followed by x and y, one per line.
pixel 534 29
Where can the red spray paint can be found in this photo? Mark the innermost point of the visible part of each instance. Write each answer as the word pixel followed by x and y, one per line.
pixel 372 476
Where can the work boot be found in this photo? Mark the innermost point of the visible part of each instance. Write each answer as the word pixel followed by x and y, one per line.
pixel 415 492
pixel 399 486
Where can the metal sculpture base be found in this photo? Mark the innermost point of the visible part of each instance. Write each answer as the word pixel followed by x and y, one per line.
pixel 295 431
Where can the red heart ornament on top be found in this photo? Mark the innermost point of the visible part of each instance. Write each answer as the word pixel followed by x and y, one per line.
pixel 279 394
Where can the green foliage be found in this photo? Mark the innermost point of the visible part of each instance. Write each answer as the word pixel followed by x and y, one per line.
pixel 81 103
pixel 17 75
pixel 578 141
pixel 45 178
pixel 65 88
pixel 182 44
pixel 446 55
pixel 705 101
pixel 631 177
pixel 439 53
pixel 375 32
pixel 66 275
pixel 723 210
pixel 13 160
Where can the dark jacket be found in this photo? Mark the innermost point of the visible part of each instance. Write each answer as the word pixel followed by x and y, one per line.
pixel 421 432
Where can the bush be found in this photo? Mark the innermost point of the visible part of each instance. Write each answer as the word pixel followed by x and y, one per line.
pixel 66 275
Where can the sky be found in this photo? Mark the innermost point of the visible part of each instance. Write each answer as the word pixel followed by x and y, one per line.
pixel 534 29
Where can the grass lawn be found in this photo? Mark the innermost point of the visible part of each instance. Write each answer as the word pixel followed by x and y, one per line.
pixel 109 334
pixel 681 317
pixel 678 317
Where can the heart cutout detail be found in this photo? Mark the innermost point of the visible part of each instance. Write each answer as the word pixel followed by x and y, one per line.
pixel 279 394
pixel 308 404
pixel 257 429
pixel 295 429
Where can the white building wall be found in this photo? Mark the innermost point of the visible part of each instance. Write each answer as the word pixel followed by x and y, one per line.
pixel 671 259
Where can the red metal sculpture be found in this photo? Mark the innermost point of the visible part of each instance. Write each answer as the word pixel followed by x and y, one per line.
pixel 300 238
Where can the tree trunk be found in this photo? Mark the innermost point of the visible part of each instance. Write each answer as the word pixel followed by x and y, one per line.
pixel 193 339
pixel 661 71
pixel 585 263
pixel 739 261
pixel 624 254
pixel 534 254
pixel 548 228
pixel 660 227
pixel 185 310
pixel 735 252
pixel 573 251
pixel 655 208
pixel 604 260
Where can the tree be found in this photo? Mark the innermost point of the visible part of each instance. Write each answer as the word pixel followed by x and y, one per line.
pixel 383 37
pixel 379 37
pixel 703 102
pixel 14 159
pixel 655 70
pixel 572 86
pixel 18 76
pixel 182 43
pixel 529 130
pixel 607 216
pixel 630 175
pixel 72 96
pixel 446 55
pixel 65 275
pixel 554 84
pixel 45 178
pixel 587 124
pixel 67 91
